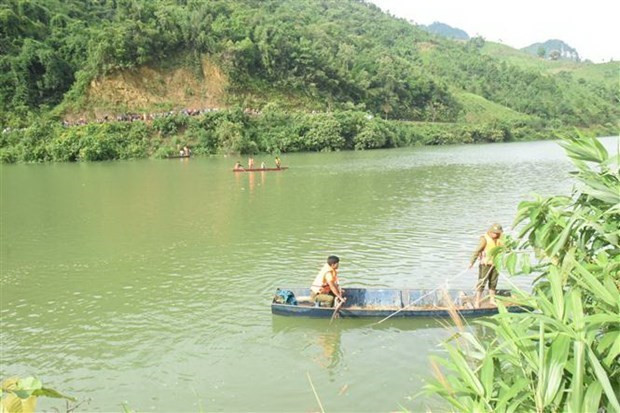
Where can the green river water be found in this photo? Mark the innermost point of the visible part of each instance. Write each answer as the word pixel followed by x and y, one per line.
pixel 149 282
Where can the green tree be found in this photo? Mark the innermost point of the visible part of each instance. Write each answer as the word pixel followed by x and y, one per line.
pixel 542 52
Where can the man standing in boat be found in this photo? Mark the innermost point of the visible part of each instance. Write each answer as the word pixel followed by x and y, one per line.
pixel 278 162
pixel 325 287
pixel 487 273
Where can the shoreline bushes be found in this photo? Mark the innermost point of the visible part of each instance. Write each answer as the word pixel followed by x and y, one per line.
pixel 233 131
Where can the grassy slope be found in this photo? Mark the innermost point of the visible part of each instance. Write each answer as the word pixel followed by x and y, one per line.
pixel 608 73
pixel 478 109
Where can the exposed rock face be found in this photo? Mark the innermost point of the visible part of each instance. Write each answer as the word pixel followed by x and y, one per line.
pixel 145 89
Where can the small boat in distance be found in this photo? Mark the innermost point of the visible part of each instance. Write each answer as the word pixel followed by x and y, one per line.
pixel 382 302
pixel 261 169
pixel 178 156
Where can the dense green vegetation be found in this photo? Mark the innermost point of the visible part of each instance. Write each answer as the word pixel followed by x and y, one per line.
pixel 563 355
pixel 232 131
pixel 329 56
pixel 585 73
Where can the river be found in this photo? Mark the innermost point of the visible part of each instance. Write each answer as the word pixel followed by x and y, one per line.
pixel 149 282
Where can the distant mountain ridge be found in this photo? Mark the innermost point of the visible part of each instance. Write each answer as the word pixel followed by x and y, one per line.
pixel 553 49
pixel 446 30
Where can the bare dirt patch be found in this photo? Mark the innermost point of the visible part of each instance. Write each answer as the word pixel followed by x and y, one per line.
pixel 147 89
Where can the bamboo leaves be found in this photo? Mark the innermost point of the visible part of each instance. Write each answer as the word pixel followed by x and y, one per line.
pixel 563 355
pixel 589 150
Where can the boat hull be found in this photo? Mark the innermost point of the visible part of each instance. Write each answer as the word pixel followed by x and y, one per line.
pixel 261 169
pixel 368 303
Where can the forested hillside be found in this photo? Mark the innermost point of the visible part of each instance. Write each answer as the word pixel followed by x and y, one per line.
pixel 284 60
pixel 592 74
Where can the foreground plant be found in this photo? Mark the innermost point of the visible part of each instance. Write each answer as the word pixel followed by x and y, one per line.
pixel 20 395
pixel 564 354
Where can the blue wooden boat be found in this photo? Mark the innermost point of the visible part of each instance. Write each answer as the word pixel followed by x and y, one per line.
pixel 381 302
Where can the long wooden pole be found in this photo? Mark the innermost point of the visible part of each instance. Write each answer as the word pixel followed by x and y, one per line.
pixel 335 313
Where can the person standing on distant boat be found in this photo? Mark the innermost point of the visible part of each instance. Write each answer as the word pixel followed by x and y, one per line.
pixel 278 162
pixel 262 165
pixel 487 273
pixel 238 167
pixel 250 163
pixel 325 288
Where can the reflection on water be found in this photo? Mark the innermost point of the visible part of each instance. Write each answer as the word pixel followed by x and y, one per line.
pixel 330 353
pixel 150 281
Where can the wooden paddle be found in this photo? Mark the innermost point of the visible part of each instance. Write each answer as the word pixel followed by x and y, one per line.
pixel 339 304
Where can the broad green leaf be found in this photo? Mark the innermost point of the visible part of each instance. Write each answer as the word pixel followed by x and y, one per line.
pixel 23 394
pixel 542 371
pixel 592 398
pixel 581 150
pixel 29 383
pixel 507 395
pixel 614 350
pixel 577 379
pixel 555 280
pixel 603 379
pixel 556 360
pixel 486 376
pixel 517 404
pixel 608 339
pixel 590 282
pixel 511 262
pixel 526 266
pixel 26 386
pixel 577 310
pixel 45 392
pixel 610 286
pixel 471 339
pixel 609 196
pixel 596 320
pixel 602 152
pixel 466 371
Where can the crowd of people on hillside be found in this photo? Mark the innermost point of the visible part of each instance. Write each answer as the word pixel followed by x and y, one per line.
pixel 145 117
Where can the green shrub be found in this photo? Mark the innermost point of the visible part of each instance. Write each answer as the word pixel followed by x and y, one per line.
pixel 562 355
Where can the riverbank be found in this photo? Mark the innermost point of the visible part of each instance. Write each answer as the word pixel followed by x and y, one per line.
pixel 237 131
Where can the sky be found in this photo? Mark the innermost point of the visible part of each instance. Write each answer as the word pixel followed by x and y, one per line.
pixel 592 27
